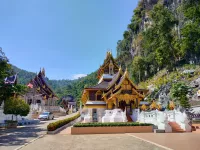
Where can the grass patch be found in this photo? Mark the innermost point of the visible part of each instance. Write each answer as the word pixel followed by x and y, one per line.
pixel 110 124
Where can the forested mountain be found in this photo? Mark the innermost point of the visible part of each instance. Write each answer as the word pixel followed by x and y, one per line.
pixel 23 76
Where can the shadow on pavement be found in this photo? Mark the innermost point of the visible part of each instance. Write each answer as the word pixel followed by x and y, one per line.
pixel 20 136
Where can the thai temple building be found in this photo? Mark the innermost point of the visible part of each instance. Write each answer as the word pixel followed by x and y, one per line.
pixel 68 103
pixel 114 90
pixel 40 96
pixel 117 99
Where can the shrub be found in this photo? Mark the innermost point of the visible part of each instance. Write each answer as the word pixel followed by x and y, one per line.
pixel 10 121
pixel 55 125
pixel 110 124
pixel 16 106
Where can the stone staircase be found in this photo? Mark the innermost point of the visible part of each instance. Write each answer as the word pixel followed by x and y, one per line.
pixel 175 127
pixel 129 119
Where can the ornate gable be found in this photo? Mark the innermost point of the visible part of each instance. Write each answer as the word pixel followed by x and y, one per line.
pixel 109 66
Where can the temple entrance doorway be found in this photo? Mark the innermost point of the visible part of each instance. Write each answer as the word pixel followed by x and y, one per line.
pixel 122 105
pixel 94 115
pixel 127 107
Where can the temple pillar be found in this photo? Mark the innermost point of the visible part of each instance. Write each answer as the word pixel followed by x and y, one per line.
pixel 130 106
pixel 136 103
pixel 110 105
pixel 116 106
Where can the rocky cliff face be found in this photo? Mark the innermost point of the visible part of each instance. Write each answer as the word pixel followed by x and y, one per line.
pixel 190 77
pixel 146 22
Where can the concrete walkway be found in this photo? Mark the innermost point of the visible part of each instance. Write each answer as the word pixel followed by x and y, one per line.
pixel 14 138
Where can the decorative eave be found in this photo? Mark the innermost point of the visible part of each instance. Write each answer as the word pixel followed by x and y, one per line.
pixel 140 95
pixel 115 80
pixel 125 76
pixel 113 95
pixel 84 97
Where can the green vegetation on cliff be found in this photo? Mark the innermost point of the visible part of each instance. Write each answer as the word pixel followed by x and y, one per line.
pixel 155 40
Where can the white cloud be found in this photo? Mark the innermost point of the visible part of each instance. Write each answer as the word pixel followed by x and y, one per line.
pixel 76 76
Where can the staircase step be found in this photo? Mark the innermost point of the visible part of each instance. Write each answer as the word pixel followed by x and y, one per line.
pixel 176 127
pixel 129 118
pixel 159 131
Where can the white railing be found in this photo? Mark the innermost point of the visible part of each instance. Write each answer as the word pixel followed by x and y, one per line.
pixel 162 118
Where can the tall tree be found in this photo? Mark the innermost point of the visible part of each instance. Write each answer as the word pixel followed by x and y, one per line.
pixel 8 90
pixel 179 93
pixel 190 32
pixel 160 36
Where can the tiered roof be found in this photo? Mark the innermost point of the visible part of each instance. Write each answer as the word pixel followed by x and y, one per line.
pixel 41 86
pixel 106 63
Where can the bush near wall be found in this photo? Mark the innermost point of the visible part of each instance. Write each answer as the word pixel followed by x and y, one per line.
pixel 55 125
pixel 196 121
pixel 111 124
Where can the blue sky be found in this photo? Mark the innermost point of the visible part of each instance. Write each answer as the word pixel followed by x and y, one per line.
pixel 69 38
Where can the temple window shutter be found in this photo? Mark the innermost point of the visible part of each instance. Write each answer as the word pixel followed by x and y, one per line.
pixel 98 95
pixel 91 96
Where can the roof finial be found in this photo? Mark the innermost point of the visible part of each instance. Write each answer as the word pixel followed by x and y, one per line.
pixel 109 52
pixel 126 71
pixel 43 71
pixel 120 67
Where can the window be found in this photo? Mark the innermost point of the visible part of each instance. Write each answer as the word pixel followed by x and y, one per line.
pixel 98 95
pixel 38 101
pixel 92 96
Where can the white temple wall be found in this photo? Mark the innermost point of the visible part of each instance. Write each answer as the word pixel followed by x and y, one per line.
pixel 100 113
pixel 135 114
pixel 88 116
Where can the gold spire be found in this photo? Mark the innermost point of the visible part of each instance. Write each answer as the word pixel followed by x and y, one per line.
pixel 171 105
pixel 153 105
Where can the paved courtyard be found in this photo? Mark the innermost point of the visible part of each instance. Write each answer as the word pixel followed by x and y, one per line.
pixel 90 142
pixel 133 141
pixel 16 139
